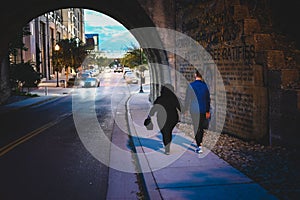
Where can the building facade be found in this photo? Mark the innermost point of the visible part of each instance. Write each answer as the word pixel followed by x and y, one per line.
pixel 45 32
pixel 93 41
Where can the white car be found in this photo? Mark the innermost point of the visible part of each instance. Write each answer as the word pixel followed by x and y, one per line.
pixel 131 78
pixel 84 75
pixel 91 82
pixel 126 69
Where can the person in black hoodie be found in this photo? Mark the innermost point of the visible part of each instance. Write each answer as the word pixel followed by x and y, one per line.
pixel 167 107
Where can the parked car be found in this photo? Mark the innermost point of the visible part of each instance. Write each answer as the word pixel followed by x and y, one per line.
pixel 84 75
pixel 118 69
pixel 131 78
pixel 126 69
pixel 91 82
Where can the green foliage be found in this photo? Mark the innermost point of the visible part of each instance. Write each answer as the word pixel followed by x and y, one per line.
pixel 23 73
pixel 17 43
pixel 93 59
pixel 26 94
pixel 103 61
pixel 71 53
pixel 134 57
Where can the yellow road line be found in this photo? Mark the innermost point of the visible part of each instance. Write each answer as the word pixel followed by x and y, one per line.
pixel 26 137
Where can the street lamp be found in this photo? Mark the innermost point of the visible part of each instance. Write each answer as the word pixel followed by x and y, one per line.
pixel 56 69
pixel 141 87
pixel 56 48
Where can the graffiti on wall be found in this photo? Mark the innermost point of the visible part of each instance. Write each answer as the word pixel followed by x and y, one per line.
pixel 233 53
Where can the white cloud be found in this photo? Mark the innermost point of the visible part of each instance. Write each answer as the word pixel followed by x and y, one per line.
pixel 93 18
pixel 114 37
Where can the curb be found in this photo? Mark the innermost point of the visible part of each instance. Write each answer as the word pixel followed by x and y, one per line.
pixel 131 129
pixel 149 185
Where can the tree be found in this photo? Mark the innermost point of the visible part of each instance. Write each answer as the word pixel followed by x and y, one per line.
pixel 17 44
pixel 23 74
pixel 134 57
pixel 103 61
pixel 71 53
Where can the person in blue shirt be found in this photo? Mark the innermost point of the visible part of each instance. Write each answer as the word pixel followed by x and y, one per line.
pixel 197 101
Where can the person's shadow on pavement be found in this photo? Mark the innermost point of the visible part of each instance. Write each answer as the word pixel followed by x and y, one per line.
pixel 180 140
pixel 157 145
pixel 149 143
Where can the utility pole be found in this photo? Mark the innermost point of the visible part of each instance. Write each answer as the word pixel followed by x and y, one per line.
pixel 141 73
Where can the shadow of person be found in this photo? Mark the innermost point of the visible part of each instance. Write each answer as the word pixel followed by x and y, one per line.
pixel 150 143
pixel 179 140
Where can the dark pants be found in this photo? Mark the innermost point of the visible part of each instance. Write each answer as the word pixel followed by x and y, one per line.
pixel 198 121
pixel 166 131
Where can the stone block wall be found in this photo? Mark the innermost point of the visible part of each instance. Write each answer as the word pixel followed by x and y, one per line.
pixel 258 67
pixel 262 93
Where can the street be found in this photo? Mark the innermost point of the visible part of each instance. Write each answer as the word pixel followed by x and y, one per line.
pixel 52 150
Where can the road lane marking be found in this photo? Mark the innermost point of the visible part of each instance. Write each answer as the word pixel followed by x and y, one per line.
pixel 26 137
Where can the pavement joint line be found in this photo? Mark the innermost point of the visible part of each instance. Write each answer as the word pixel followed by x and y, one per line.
pixel 31 134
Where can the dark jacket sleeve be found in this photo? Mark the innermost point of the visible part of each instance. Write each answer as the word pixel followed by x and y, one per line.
pixel 175 101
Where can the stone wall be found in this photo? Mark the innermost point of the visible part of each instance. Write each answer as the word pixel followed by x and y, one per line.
pixel 239 37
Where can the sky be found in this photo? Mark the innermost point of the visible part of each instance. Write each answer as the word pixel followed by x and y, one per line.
pixel 114 38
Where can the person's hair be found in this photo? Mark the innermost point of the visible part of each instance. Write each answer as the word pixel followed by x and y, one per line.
pixel 167 88
pixel 197 73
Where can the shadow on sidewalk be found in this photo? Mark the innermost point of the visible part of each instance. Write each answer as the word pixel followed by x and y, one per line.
pixel 155 143
pixel 149 143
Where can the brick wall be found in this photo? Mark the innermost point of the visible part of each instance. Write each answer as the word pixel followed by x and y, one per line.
pixel 260 87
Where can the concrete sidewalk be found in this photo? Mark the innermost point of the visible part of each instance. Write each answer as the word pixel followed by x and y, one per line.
pixel 184 174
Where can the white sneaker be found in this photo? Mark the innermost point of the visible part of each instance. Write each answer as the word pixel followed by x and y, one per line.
pixel 199 150
pixel 167 149
pixel 167 152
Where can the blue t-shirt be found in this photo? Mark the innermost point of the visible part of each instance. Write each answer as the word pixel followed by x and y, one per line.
pixel 198 97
